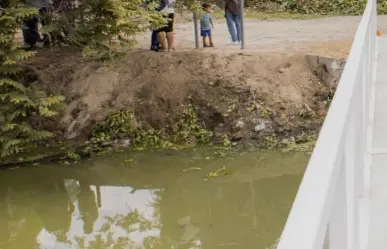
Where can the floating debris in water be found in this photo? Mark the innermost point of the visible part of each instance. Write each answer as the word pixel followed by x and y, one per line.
pixel 219 172
pixel 192 169
pixel 128 161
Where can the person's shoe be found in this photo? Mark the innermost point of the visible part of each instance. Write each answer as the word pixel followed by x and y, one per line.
pixel 211 45
pixel 154 48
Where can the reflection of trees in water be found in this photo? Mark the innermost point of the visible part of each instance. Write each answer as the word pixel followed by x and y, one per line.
pixel 221 213
pixel 23 216
pixel 156 202
pixel 87 208
pixel 24 212
pixel 103 242
pixel 133 221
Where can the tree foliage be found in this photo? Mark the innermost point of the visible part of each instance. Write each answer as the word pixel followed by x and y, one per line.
pixel 105 28
pixel 327 7
pixel 18 102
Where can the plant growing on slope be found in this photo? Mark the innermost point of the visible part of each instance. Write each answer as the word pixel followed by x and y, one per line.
pixel 187 130
pixel 18 102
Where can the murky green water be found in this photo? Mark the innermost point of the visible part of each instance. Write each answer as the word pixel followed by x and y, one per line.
pixel 158 201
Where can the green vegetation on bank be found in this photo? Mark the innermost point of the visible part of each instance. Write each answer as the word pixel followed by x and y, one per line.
pixel 187 131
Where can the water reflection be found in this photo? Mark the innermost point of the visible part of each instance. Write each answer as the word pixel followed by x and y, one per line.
pixel 67 213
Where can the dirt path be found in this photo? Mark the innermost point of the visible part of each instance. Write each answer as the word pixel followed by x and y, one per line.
pixel 328 36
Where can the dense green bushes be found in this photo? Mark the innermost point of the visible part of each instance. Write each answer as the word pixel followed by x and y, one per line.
pixel 19 102
pixel 325 7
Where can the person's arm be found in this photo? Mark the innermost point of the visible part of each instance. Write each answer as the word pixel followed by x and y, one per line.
pixel 212 24
pixel 225 7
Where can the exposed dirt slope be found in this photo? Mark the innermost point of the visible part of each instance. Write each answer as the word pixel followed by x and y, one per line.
pixel 245 95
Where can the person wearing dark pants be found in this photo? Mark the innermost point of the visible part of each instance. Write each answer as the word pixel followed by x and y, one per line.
pixel 155 45
pixel 31 26
pixel 30 32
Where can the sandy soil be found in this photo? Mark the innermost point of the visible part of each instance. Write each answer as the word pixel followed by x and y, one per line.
pixel 327 36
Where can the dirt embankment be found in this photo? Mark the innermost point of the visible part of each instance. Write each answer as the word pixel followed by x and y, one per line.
pixel 254 97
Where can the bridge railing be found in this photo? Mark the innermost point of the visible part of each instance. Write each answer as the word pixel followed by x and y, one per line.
pixel 326 208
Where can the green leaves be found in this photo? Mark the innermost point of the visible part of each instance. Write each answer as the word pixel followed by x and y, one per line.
pixel 186 131
pixel 18 103
pixel 108 27
pixel 321 7
pixel 8 83
pixel 338 7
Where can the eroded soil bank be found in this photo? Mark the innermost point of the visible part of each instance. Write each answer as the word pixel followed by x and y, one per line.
pixel 262 99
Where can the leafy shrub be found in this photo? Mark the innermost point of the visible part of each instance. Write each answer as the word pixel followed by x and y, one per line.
pixel 18 103
pixel 187 130
pixel 333 7
pixel 105 28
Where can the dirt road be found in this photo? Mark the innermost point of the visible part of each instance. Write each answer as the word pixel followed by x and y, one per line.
pixel 329 36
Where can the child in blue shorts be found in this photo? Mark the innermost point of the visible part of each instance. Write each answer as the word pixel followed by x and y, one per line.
pixel 206 25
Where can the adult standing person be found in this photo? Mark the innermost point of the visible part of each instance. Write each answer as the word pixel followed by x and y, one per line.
pixel 155 45
pixel 165 35
pixel 233 18
pixel 31 27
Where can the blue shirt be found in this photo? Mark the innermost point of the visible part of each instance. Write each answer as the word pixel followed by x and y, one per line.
pixel 205 22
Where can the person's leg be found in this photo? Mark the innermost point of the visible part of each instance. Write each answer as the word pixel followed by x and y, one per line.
pixel 170 33
pixel 154 42
pixel 30 31
pixel 238 25
pixel 203 34
pixel 231 26
pixel 210 38
pixel 204 42
pixel 162 41
pixel 171 41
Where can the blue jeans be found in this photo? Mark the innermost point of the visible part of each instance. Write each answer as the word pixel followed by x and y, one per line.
pixel 234 26
pixel 154 42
